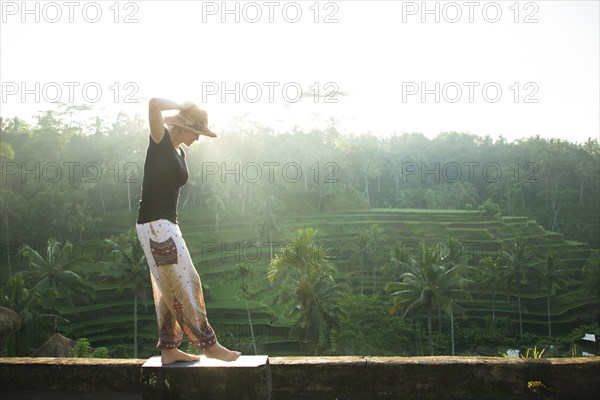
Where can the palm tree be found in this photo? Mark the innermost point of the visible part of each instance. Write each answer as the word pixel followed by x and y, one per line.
pixel 489 280
pixel 370 169
pixel 79 217
pixel 591 273
pixel 552 274
pixel 54 275
pixel 416 289
pixel 25 302
pixel 454 281
pixel 376 236
pixel 216 201
pixel 395 167
pixel 98 185
pixel 393 269
pixel 98 126
pixel 303 265
pixel 409 198
pixel 432 279
pixel 519 266
pixel 468 193
pixel 14 125
pixel 130 270
pixel 18 298
pixel 11 205
pixel 323 190
pixel 363 253
pixel 268 222
pixel 243 272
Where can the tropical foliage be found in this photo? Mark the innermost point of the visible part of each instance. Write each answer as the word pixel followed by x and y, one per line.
pixel 395 212
pixel 308 286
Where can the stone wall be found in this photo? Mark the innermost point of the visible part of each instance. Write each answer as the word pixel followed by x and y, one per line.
pixel 322 378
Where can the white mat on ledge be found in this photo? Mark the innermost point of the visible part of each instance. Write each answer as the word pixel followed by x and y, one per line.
pixel 242 362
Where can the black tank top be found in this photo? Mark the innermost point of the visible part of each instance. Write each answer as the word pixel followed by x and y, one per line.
pixel 165 172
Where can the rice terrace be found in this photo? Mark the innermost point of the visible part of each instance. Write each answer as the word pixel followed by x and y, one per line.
pixel 350 219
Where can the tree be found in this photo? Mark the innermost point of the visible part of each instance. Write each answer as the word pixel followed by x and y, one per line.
pixel 268 221
pixel 432 279
pixel 489 208
pixel 54 275
pixel 376 236
pixel 362 254
pixel 11 208
pixel 409 198
pixel 105 180
pixel 585 164
pixel 395 171
pixel 20 299
pixel 78 217
pixel 243 272
pixel 468 194
pixel 415 290
pixel 323 190
pixel 591 274
pixel 6 151
pixel 507 189
pixel 489 280
pixel 49 121
pixel 216 202
pixel 393 269
pixel 455 281
pixel 130 270
pixel 519 265
pixel 367 161
pixel 25 302
pixel 303 265
pixel 13 125
pixel 553 273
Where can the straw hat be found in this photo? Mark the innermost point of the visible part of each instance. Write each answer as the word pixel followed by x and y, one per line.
pixel 194 119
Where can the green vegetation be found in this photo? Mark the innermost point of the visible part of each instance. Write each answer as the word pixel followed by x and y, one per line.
pixel 82 349
pixel 431 279
pixel 308 288
pixel 464 276
pixel 241 304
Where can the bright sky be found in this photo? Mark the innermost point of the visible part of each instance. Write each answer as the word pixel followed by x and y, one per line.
pixel 506 68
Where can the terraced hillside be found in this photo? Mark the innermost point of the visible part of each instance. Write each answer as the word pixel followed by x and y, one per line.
pixel 108 321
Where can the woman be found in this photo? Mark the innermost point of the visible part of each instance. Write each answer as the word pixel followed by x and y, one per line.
pixel 176 285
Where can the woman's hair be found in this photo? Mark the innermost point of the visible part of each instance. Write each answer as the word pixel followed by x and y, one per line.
pixel 174 130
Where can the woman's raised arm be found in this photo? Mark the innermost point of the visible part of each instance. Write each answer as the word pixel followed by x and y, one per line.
pixel 155 108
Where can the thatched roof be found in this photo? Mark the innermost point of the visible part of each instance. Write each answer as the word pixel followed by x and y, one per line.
pixel 9 321
pixel 57 346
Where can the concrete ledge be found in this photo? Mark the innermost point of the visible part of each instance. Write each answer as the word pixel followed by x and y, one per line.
pixel 435 378
pixel 247 378
pixel 84 374
pixel 332 378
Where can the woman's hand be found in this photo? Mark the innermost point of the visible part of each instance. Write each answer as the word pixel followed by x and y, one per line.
pixel 186 106
pixel 155 108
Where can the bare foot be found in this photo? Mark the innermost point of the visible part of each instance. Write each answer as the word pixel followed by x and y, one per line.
pixel 170 356
pixel 221 353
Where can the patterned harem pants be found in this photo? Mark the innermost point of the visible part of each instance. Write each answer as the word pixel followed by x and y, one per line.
pixel 176 286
